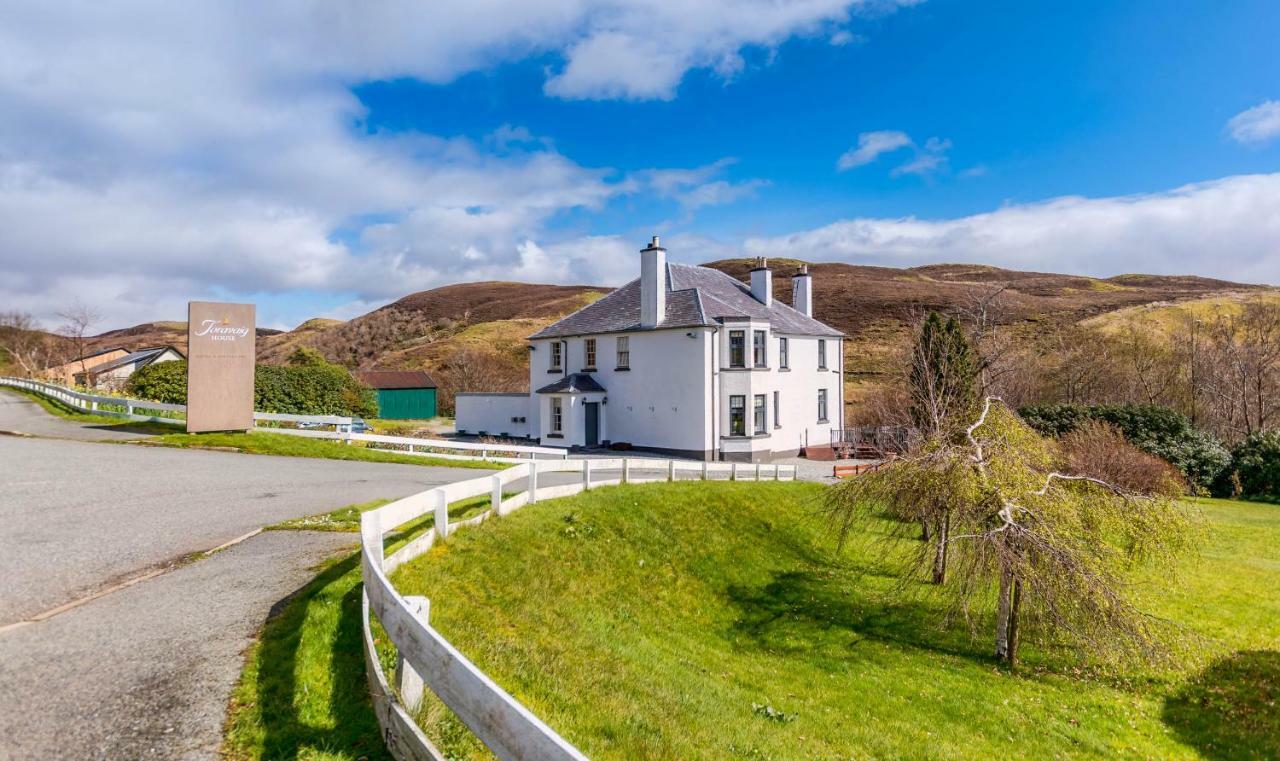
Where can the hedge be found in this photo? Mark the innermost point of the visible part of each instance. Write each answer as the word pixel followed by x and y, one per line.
pixel 312 389
pixel 1157 430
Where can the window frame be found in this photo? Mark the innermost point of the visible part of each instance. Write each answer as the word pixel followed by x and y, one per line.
pixel 589 353
pixel 760 348
pixel 822 354
pixel 784 353
pixel 777 409
pixel 738 352
pixel 823 406
pixel 622 352
pixel 738 415
pixel 557 416
pixel 556 360
pixel 760 415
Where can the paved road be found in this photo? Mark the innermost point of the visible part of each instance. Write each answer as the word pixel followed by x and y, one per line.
pixel 145 671
pixel 18 414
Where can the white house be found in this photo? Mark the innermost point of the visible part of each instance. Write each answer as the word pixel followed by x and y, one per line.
pixel 684 361
pixel 115 373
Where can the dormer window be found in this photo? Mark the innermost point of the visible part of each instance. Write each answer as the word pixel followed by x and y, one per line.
pixel 557 357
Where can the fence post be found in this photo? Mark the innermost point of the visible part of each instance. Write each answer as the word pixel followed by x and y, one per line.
pixel 128 407
pixel 671 470
pixel 411 448
pixel 733 472
pixel 442 514
pixel 533 481
pixel 757 471
pixel 484 454
pixel 586 475
pixel 495 499
pixel 626 470
pixel 410 682
pixel 704 470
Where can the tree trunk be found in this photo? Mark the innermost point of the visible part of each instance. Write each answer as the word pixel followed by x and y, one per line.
pixel 1014 609
pixel 940 555
pixel 1002 616
pixel 924 529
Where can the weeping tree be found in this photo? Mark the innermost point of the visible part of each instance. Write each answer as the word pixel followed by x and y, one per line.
pixel 943 382
pixel 1031 541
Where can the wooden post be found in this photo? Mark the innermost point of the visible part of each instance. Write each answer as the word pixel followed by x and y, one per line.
pixel 409 681
pixel 671 470
pixel 586 475
pixel 442 514
pixel 733 472
pixel 495 498
pixel 757 471
pixel 704 470
pixel 533 481
pixel 626 470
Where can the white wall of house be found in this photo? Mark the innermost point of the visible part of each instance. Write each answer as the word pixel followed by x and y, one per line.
pixel 493 414
pixel 660 400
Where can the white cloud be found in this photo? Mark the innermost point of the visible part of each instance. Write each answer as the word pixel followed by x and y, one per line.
pixel 1226 228
pixel 150 153
pixel 1256 125
pixel 870 147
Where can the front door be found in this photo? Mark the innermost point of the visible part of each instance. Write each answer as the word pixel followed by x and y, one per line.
pixel 593 423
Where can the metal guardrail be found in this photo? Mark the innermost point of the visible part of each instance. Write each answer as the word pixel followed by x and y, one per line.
pixel 426 660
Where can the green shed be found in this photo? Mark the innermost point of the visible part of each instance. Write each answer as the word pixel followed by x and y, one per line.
pixel 402 394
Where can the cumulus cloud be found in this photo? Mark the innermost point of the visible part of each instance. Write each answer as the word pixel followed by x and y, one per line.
pixel 1257 125
pixel 150 153
pixel 699 187
pixel 1227 228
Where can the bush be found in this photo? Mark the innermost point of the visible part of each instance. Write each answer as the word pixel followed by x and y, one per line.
pixel 305 389
pixel 1156 430
pixel 1255 470
pixel 1100 450
pixel 161 382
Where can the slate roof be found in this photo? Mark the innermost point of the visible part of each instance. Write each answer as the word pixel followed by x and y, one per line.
pixel 392 379
pixel 143 357
pixel 574 383
pixel 696 297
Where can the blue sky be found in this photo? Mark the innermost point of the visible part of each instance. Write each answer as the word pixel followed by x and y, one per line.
pixel 327 161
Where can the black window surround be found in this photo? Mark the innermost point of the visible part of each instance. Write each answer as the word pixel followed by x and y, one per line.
pixel 738 415
pixel 737 349
pixel 784 354
pixel 761 414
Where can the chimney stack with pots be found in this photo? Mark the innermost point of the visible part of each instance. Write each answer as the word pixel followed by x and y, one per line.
pixel 762 282
pixel 802 291
pixel 653 284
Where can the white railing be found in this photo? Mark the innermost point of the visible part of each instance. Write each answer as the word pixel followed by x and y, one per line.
pixel 110 406
pixel 425 658
pixel 122 407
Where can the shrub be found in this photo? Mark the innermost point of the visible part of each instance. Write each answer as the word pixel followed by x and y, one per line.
pixel 1100 450
pixel 304 389
pixel 161 382
pixel 1156 430
pixel 1255 468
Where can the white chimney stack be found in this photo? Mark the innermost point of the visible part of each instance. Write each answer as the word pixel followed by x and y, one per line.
pixel 762 282
pixel 653 284
pixel 802 291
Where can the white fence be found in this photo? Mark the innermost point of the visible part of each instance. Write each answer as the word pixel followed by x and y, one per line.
pixel 426 658
pixel 121 407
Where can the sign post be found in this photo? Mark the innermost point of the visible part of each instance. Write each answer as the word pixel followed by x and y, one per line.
pixel 222 351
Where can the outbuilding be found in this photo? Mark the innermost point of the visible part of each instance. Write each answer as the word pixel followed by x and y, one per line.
pixel 402 394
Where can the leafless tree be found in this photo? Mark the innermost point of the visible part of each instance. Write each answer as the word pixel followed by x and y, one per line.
pixel 472 369
pixel 78 321
pixel 27 345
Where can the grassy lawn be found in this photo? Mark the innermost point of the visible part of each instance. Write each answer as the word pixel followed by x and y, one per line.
pixel 282 444
pixel 302 693
pixel 715 621
pixel 66 412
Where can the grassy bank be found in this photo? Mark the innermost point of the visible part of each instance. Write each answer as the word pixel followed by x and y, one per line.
pixel 714 621
pixel 302 693
pixel 284 445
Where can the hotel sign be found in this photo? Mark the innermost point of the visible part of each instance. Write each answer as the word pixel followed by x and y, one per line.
pixel 222 350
